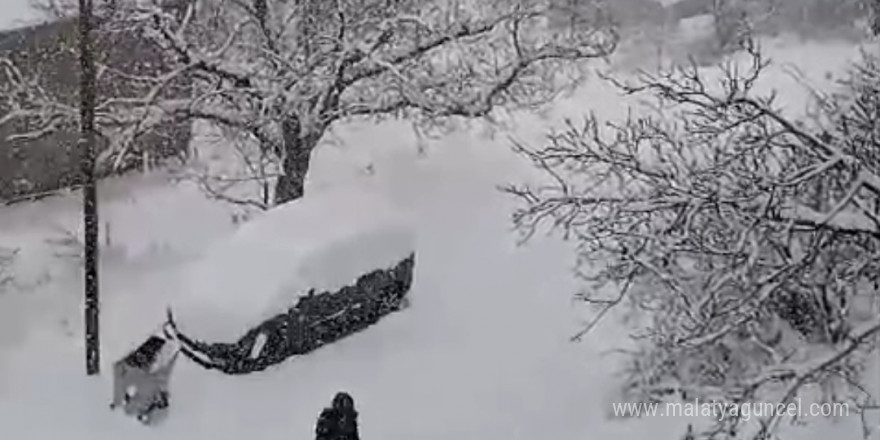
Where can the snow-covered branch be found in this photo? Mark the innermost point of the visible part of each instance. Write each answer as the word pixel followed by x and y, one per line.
pixel 283 73
pixel 798 375
pixel 434 93
pixel 748 239
pixel 131 95
pixel 306 66
pixel 26 102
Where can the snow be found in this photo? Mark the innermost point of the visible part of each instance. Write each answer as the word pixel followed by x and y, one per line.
pixel 17 13
pixel 166 355
pixel 482 353
pixel 323 241
pixel 258 346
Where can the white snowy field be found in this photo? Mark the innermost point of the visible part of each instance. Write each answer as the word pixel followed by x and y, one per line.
pixel 17 13
pixel 482 353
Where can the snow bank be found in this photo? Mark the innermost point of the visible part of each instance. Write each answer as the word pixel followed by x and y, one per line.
pixel 323 241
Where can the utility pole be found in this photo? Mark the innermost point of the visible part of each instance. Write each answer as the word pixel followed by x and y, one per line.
pixel 86 148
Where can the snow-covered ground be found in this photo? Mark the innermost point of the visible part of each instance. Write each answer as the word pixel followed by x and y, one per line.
pixel 17 13
pixel 482 353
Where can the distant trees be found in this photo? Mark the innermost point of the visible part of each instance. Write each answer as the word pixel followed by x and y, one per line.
pixel 626 14
pixel 747 243
pixel 803 17
pixel 731 22
pixel 735 21
pixel 39 104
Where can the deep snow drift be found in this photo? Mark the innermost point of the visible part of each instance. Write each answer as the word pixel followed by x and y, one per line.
pixel 323 241
pixel 482 353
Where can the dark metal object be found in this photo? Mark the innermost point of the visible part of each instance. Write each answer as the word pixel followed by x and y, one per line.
pixel 90 199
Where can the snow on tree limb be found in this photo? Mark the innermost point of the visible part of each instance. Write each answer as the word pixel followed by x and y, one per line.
pixel 25 99
pixel 137 88
pixel 800 374
pixel 745 237
pixel 284 72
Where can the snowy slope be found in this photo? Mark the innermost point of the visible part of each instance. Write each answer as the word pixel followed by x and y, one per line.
pixel 481 354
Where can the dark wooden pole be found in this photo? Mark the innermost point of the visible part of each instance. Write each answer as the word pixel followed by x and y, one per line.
pixel 90 199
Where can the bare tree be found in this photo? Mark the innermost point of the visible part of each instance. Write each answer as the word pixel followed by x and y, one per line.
pixel 280 73
pixel 750 241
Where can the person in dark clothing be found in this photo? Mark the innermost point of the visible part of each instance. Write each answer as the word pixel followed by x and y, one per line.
pixel 339 422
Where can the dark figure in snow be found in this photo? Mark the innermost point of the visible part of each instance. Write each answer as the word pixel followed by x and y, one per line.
pixel 339 422
pixel 689 435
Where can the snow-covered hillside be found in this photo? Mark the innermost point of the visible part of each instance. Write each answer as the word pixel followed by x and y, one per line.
pixel 482 353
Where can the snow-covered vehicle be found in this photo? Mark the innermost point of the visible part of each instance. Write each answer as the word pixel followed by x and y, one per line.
pixel 296 277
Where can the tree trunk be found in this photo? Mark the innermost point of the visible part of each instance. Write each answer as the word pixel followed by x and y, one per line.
pixel 295 159
pixel 90 199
